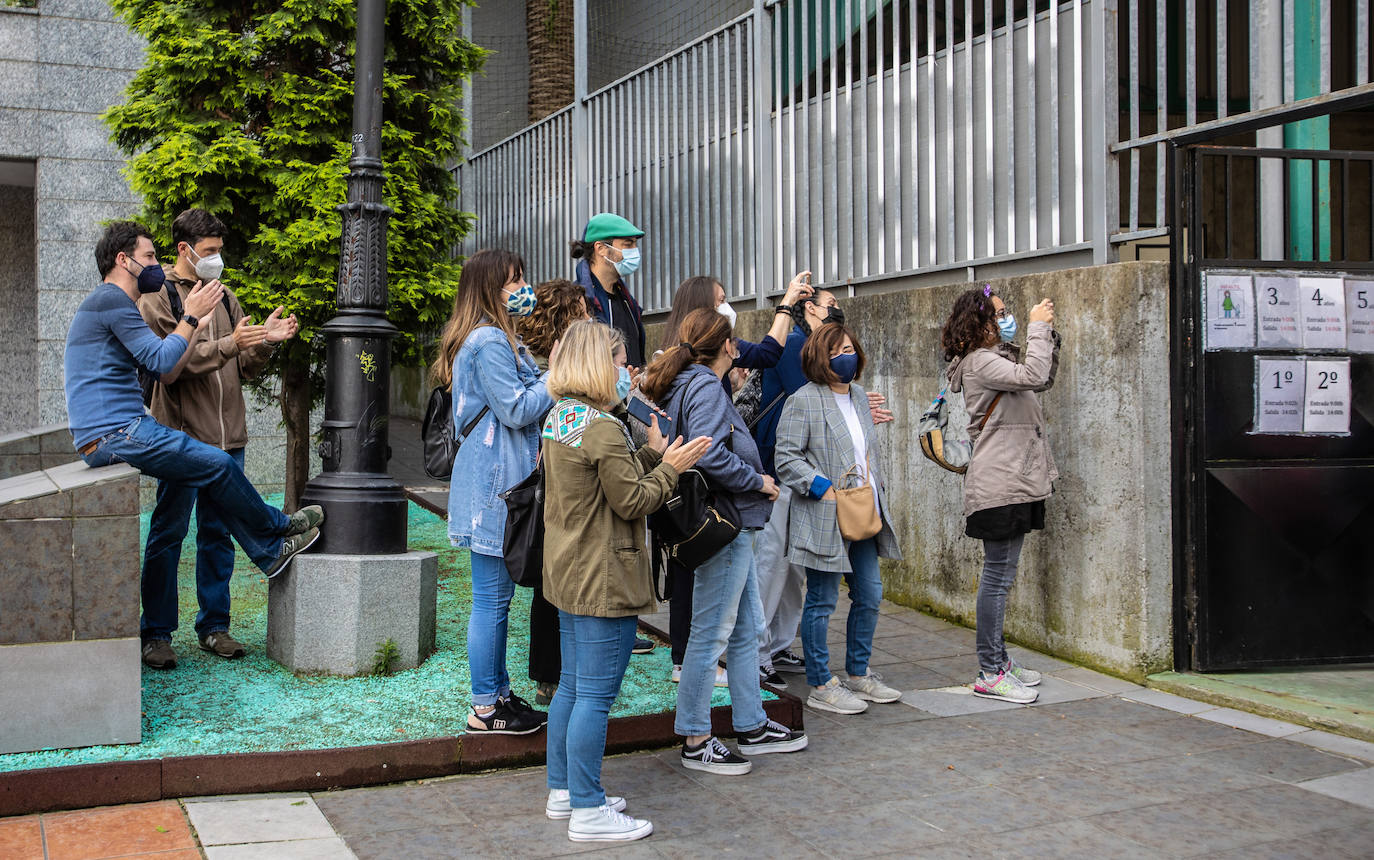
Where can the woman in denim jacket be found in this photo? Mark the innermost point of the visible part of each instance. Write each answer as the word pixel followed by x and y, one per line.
pixel 496 384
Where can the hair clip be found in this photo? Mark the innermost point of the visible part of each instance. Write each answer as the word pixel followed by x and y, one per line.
pixel 987 291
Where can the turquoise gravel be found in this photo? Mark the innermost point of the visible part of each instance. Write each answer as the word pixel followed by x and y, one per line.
pixel 210 706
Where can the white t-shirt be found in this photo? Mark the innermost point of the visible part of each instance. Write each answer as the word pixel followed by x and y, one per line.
pixel 856 433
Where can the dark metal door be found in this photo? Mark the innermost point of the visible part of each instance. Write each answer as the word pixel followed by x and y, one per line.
pixel 1274 534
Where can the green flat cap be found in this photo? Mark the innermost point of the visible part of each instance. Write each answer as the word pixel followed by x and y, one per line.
pixel 609 225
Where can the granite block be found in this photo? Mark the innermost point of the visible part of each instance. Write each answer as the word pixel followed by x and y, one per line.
pixel 12 465
pixel 19 87
pixel 19 37
pixel 67 266
pixel 36 581
pixel 48 505
pixel 74 135
pixel 106 491
pixel 52 403
pixel 94 44
pixel 56 310
pixel 88 10
pixel 54 438
pixel 105 577
pixel 26 486
pixel 80 89
pixel 50 357
pixel 19 132
pixel 104 676
pixel 71 221
pixel 23 441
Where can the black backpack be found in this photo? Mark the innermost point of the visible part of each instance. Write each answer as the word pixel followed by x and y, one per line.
pixel 436 433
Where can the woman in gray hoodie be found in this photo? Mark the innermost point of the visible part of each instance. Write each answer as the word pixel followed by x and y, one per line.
pixel 1011 471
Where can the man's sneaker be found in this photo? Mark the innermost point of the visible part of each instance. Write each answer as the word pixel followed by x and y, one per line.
pixel 1027 677
pixel 835 698
pixel 1003 686
pixel 559 804
pixel 289 548
pixel 786 661
pixel 642 645
pixel 713 756
pixel 871 688
pixel 771 737
pixel 307 518
pixel 605 824
pixel 158 654
pixel 771 680
pixel 505 720
pixel 222 644
pixel 544 693
pixel 722 679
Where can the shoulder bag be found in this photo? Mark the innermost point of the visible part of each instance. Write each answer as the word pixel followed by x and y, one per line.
pixel 436 433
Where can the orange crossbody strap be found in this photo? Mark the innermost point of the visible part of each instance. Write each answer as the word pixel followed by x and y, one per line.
pixel 988 414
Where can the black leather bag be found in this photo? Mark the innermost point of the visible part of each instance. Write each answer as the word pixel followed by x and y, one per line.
pixel 524 542
pixel 695 523
pixel 436 433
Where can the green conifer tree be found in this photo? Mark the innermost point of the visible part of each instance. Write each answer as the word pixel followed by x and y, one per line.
pixel 244 108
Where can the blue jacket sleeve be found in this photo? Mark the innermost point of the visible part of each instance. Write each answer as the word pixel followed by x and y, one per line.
pixel 710 417
pixel 514 403
pixel 761 355
pixel 157 354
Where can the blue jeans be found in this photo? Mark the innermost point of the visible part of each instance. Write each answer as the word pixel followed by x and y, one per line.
pixel 865 595
pixel 171 455
pixel 492 590
pixel 214 561
pixel 595 654
pixel 999 572
pixel 725 601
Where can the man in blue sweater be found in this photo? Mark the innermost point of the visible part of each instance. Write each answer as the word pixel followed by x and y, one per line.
pixel 107 342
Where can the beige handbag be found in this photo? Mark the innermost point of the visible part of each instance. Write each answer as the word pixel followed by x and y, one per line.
pixel 856 508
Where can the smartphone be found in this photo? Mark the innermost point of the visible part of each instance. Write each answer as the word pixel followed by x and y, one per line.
pixel 643 414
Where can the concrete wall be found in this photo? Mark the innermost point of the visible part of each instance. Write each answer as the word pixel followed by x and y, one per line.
pixel 1095 586
pixel 18 309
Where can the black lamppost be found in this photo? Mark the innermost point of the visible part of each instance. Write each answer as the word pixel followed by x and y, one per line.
pixel 365 507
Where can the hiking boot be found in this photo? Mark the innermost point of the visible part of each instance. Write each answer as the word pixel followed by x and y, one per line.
pixel 559 804
pixel 871 688
pixel 771 737
pixel 713 756
pixel 220 643
pixel 544 693
pixel 642 646
pixel 307 518
pixel 1005 687
pixel 605 824
pixel 505 720
pixel 835 698
pixel 786 661
pixel 771 680
pixel 289 548
pixel 158 654
pixel 1027 677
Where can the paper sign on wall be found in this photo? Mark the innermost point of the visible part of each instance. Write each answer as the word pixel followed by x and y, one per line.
pixel 1327 408
pixel 1276 304
pixel 1323 312
pixel 1359 315
pixel 1279 401
pixel 1230 312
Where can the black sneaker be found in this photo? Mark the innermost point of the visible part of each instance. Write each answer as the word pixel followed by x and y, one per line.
pixel 771 680
pixel 771 737
pixel 521 706
pixel 505 720
pixel 786 661
pixel 713 756
pixel 158 654
pixel 642 645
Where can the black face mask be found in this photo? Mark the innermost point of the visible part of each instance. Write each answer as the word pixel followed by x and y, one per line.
pixel 835 316
pixel 150 278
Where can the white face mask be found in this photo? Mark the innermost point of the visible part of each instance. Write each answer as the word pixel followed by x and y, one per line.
pixel 208 267
pixel 728 312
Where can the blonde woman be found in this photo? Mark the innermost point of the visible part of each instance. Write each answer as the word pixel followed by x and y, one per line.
pixel 598 491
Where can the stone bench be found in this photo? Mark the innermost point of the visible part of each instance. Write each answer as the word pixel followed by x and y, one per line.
pixel 69 598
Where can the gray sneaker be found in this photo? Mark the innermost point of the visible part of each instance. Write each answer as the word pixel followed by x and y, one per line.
pixel 158 654
pixel 835 698
pixel 1003 686
pixel 307 518
pixel 870 688
pixel 289 548
pixel 1027 677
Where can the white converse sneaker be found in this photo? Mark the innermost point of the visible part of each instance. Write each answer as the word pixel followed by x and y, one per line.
pixel 559 804
pixel 722 677
pixel 870 688
pixel 604 824
pixel 835 698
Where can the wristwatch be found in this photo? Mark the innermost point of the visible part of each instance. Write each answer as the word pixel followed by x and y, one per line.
pixel 193 322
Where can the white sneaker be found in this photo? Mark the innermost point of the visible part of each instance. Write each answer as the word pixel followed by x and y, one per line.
pixel 722 679
pixel 559 804
pixel 870 688
pixel 604 824
pixel 835 698
pixel 1027 677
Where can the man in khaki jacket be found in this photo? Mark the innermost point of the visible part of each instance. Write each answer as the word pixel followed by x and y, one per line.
pixel 206 401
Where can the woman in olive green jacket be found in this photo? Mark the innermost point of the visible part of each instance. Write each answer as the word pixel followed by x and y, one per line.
pixel 598 491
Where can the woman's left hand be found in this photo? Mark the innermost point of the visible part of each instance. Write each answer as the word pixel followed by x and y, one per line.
pixel 876 402
pixel 800 288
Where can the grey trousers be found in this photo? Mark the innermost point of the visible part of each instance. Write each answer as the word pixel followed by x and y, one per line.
pixel 999 572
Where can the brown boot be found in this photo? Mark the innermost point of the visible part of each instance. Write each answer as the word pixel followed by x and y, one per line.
pixel 222 644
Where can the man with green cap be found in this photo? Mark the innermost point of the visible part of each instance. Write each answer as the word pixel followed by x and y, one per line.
pixel 607 254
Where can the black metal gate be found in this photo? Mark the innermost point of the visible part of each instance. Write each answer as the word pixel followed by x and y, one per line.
pixel 1274 531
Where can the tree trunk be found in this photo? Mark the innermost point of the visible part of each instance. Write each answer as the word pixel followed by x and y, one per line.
pixel 549 37
pixel 296 397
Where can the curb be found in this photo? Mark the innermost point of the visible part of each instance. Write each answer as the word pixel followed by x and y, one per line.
pixel 1182 684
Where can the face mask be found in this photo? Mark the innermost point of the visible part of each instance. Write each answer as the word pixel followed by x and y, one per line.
pixel 622 384
pixel 521 302
pixel 835 316
pixel 629 262
pixel 209 267
pixel 1006 326
pixel 150 278
pixel 845 365
pixel 728 312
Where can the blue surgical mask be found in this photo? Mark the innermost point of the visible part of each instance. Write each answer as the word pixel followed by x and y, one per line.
pixel 628 263
pixel 1007 327
pixel 150 277
pixel 622 384
pixel 521 302
pixel 845 365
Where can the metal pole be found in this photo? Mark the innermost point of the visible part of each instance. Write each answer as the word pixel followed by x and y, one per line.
pixel 366 508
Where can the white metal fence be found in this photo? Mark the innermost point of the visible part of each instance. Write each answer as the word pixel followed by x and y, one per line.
pixel 867 139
